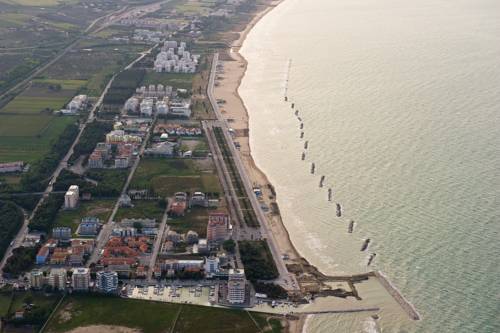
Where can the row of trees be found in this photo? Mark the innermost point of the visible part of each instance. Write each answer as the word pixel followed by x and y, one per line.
pixel 257 260
pixel 46 214
pixel 124 86
pixel 94 132
pixel 21 261
pixel 109 184
pixel 11 220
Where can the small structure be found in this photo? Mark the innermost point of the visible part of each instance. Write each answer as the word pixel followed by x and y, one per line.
pixel 11 167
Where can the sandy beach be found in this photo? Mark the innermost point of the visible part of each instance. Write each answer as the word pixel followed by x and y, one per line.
pixel 236 114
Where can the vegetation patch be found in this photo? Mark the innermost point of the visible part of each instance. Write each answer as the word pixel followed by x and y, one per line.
pixel 195 219
pixel 71 218
pixel 21 261
pixel 257 260
pixel 11 218
pixel 149 209
pixel 33 139
pixel 87 310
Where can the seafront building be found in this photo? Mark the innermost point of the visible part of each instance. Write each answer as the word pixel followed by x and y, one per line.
pixel 217 227
pixel 236 287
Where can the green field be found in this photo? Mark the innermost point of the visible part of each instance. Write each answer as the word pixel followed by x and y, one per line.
pixel 34 105
pixel 65 84
pixel 142 209
pixel 29 137
pixel 195 219
pixel 5 300
pixel 167 176
pixel 151 317
pixel 37 3
pixel 176 80
pixel 98 208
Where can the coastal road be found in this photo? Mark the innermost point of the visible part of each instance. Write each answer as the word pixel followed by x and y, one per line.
pixel 286 280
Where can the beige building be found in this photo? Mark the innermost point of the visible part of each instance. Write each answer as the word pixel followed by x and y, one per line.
pixel 81 279
pixel 37 280
pixel 58 278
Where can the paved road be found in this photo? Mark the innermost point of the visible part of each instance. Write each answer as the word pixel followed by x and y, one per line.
pixel 285 279
pixel 43 67
pixel 62 164
pixel 164 228
pixel 108 227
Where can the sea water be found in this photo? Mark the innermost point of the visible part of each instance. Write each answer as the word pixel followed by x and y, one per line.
pixel 400 102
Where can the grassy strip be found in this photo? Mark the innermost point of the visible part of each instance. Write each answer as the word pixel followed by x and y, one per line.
pixel 245 204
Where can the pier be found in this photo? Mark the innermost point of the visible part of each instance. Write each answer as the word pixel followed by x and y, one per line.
pixel 394 292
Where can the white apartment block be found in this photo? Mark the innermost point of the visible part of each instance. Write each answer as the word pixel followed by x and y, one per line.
pixel 173 59
pixel 72 197
pixel 180 109
pixel 80 279
pixel 236 286
pixel 107 281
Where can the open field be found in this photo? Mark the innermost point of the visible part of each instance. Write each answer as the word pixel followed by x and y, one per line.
pixel 65 84
pixel 34 105
pixel 71 218
pixel 39 3
pixel 176 80
pixel 5 299
pixel 195 219
pixel 81 311
pixel 167 176
pixel 29 137
pixel 150 209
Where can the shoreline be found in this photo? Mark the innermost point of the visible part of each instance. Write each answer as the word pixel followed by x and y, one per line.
pixel 241 124
pixel 236 115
